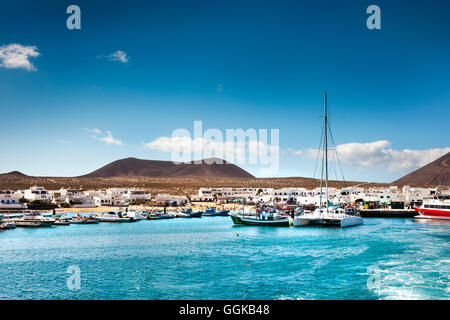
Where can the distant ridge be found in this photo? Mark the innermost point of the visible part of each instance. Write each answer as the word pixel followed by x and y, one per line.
pixel 436 173
pixel 13 174
pixel 133 167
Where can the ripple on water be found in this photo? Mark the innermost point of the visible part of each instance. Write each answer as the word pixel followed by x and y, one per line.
pixel 209 258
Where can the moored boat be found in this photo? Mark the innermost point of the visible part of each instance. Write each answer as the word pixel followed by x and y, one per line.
pixel 133 215
pixel 196 214
pixel 159 215
pixel 190 214
pixel 179 215
pixel 7 224
pixel 34 220
pixel 212 212
pixel 328 214
pixel 79 219
pixel 61 221
pixel 112 216
pixel 436 207
pixel 260 220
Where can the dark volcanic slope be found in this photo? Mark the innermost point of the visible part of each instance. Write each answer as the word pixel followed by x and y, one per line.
pixel 436 173
pixel 13 175
pixel 132 167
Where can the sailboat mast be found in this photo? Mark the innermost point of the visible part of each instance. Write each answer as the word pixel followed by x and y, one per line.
pixel 326 149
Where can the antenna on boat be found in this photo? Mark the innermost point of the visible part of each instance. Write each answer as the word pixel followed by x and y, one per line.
pixel 324 157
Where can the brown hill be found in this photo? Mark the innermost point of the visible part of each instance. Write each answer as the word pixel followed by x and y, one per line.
pixel 132 167
pixel 13 175
pixel 436 173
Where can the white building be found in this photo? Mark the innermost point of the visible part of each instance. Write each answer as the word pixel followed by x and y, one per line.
pixel 248 194
pixel 131 195
pixel 168 198
pixel 109 198
pixel 37 193
pixel 10 200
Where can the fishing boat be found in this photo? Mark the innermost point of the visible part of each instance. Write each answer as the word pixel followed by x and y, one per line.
pixel 262 217
pixel 190 214
pixel 155 215
pixel 34 220
pixel 112 216
pixel 59 221
pixel 222 213
pixel 79 219
pixel 328 214
pixel 435 207
pixel 212 212
pixel 179 215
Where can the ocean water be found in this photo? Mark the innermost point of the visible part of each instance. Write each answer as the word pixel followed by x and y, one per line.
pixel 210 258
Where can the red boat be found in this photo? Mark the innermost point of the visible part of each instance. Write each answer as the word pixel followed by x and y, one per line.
pixel 437 207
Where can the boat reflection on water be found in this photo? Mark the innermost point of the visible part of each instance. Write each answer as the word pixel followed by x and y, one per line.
pixel 435 221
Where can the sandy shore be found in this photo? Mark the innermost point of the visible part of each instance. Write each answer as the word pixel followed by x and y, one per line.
pixel 196 206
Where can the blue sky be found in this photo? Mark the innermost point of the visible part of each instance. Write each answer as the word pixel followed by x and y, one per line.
pixel 230 64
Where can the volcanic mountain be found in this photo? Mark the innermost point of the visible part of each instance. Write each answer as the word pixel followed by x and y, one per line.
pixel 13 175
pixel 436 173
pixel 132 167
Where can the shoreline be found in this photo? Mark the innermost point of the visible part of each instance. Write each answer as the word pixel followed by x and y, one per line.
pixel 197 206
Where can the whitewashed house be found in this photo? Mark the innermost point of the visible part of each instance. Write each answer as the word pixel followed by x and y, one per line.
pixel 10 200
pixel 37 193
pixel 168 198
pixel 131 195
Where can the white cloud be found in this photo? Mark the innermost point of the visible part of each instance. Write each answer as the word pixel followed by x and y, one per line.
pixel 15 55
pixel 296 152
pixel 95 131
pixel 109 139
pixel 379 154
pixel 106 138
pixel 119 55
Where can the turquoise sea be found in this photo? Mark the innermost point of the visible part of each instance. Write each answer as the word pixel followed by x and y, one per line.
pixel 209 258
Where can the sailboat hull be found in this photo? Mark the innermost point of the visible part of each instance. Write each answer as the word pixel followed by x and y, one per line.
pixel 342 222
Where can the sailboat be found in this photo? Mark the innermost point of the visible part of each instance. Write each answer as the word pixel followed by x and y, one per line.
pixel 327 214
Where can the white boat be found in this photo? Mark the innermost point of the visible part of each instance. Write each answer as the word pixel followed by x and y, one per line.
pixel 34 220
pixel 341 217
pixel 79 219
pixel 178 215
pixel 144 214
pixel 327 214
pixel 112 216
pixel 133 215
pixel 6 224
pixel 61 221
